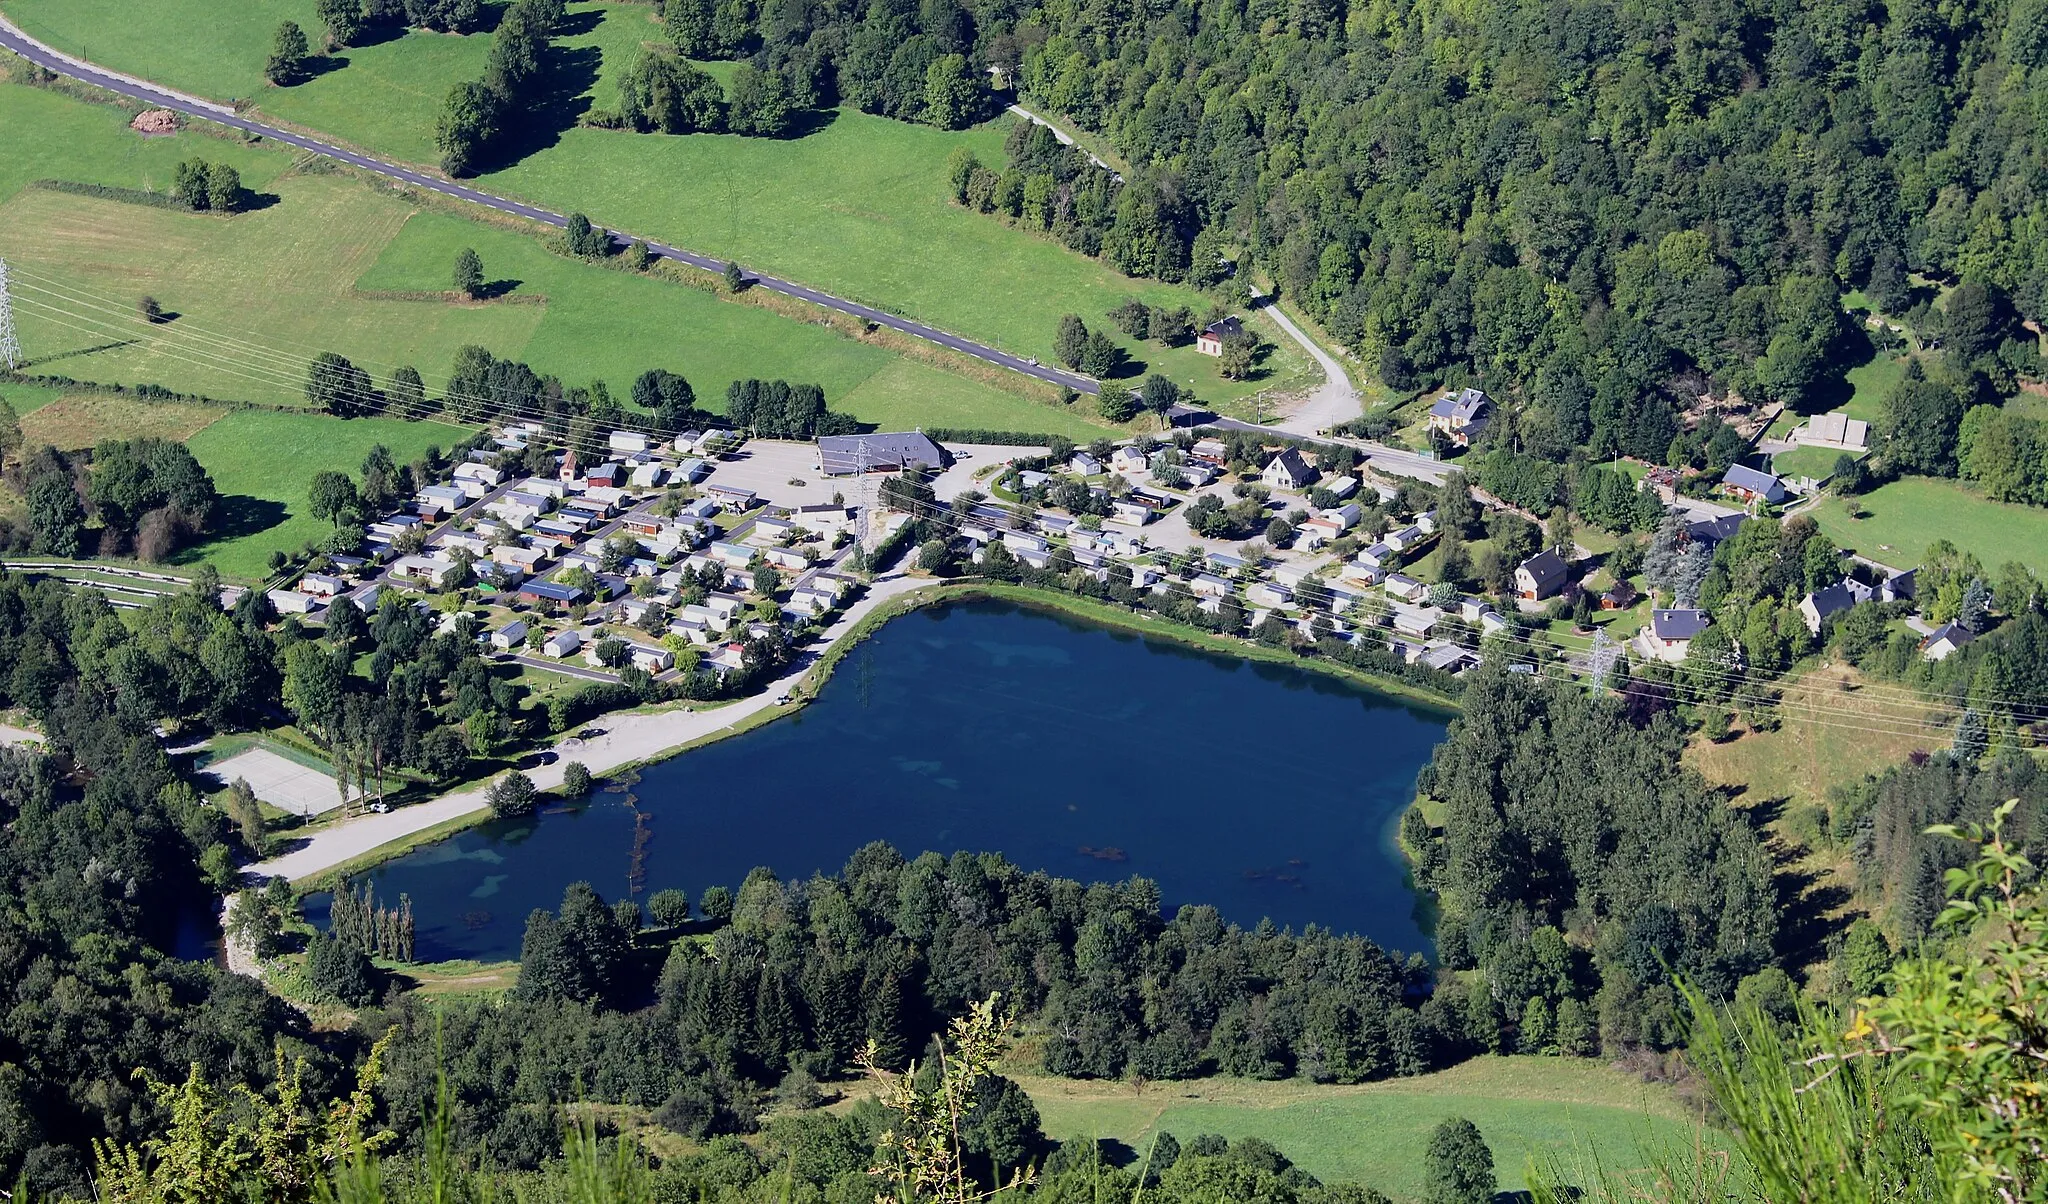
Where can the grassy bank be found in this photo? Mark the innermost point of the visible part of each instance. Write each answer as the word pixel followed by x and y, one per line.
pixel 1110 615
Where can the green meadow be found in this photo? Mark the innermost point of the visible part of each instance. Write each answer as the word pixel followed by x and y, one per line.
pixel 336 265
pixel 1903 518
pixel 1540 1111
pixel 857 207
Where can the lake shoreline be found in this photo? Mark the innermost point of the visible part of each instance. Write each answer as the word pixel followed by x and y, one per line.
pixel 935 593
pixel 1014 679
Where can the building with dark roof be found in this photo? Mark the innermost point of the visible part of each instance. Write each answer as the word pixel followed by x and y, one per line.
pixel 1541 575
pixel 846 455
pixel 1751 484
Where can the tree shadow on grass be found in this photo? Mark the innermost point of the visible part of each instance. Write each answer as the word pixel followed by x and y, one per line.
pixel 567 73
pixel 494 289
pixel 316 65
pixel 238 515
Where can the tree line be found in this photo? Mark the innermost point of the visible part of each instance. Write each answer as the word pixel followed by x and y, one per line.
pixel 147 497
pixel 106 852
pixel 480 113
pixel 485 389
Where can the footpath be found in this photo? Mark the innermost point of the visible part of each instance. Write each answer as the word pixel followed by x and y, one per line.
pixel 627 740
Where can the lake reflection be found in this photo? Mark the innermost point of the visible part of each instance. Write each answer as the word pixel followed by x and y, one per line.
pixel 1262 789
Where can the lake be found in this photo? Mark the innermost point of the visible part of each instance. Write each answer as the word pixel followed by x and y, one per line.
pixel 1265 790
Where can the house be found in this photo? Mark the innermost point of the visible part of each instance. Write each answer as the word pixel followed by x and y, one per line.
pixel 1224 562
pixel 543 487
pixel 1416 621
pixel 606 476
pixel 848 455
pixel 740 500
pixel 562 643
pixel 1342 487
pixel 1711 531
pixel 569 473
pixel 1446 657
pixel 1899 587
pixel 826 519
pixel 1212 337
pixel 1134 513
pixel 322 585
pixel 1024 541
pixel 1288 470
pixel 647 476
pixel 1541 575
pixel 549 593
pixel 1378 556
pixel 1753 485
pixel 1293 573
pixel 1821 605
pixel 786 558
pixel 1404 587
pixel 1358 570
pixel 1403 539
pixel 511 635
pixel 1345 516
pixel 1943 640
pixel 450 497
pixel 292 602
pixel 626 443
pixel 1127 459
pixel 469 470
pixel 1270 595
pixel 1494 624
pixel 1084 465
pixel 1669 633
pixel 768 529
pixel 653 658
pixel 1619 596
pixel 1314 533
pixel 1460 417
pixel 691 471
pixel 1210 451
pixel 1208 585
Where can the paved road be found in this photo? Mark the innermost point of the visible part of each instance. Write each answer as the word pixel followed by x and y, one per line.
pixel 12 38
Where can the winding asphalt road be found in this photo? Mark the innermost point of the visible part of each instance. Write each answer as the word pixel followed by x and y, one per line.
pixel 13 39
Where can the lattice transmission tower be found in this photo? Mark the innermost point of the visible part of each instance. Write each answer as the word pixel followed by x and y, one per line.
pixel 10 346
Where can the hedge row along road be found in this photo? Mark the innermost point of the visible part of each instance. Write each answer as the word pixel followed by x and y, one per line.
pixel 13 39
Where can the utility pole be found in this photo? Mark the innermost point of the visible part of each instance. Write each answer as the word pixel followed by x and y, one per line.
pixel 10 346
pixel 862 528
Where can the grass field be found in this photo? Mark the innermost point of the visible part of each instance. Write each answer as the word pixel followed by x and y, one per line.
pixel 1527 1107
pixel 1815 462
pixel 1870 382
pixel 1837 728
pixel 319 259
pixel 80 420
pixel 1908 515
pixel 26 399
pixel 857 207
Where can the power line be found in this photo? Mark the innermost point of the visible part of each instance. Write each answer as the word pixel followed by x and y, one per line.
pixel 10 346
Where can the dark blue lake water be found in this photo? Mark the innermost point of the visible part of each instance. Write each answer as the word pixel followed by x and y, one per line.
pixel 1264 790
